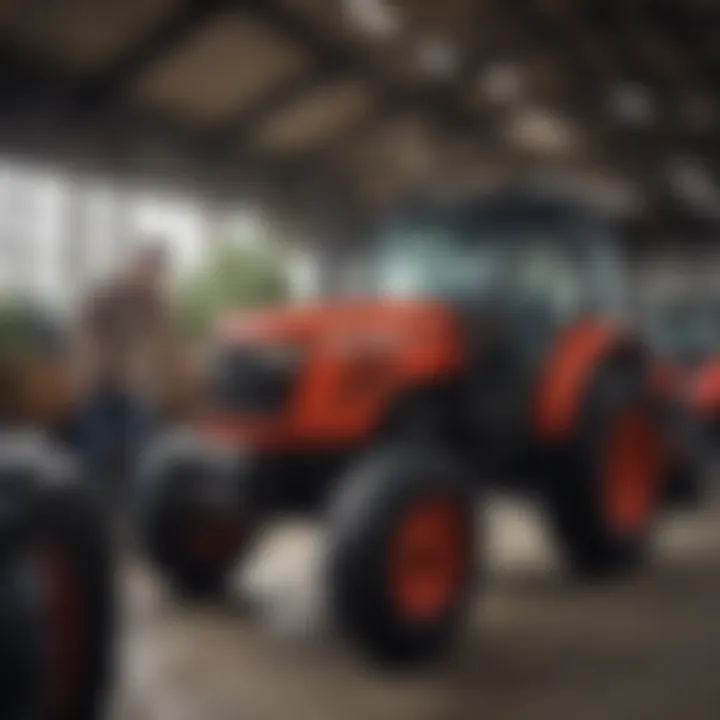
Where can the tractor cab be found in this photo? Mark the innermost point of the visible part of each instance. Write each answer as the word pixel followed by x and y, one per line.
pixel 560 254
pixel 519 274
pixel 539 263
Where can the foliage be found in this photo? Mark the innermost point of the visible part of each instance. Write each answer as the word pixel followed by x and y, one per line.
pixel 231 277
pixel 25 329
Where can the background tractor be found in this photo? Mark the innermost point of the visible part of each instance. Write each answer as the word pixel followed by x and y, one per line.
pixel 685 335
pixel 56 604
pixel 486 344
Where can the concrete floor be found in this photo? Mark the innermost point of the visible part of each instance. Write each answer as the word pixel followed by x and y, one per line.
pixel 539 646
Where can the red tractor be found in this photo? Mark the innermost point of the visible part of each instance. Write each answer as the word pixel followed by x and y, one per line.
pixel 487 346
pixel 56 599
pixel 684 332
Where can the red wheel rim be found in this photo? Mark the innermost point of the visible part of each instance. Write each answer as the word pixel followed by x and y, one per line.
pixel 428 560
pixel 632 472
pixel 64 611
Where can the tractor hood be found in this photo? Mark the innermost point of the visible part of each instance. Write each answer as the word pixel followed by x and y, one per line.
pixel 342 324
pixel 327 374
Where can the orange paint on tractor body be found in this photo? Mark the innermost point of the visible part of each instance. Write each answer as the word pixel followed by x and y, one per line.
pixel 705 389
pixel 668 380
pixel 356 359
pixel 567 374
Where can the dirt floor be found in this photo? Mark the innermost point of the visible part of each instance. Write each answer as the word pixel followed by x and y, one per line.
pixel 540 646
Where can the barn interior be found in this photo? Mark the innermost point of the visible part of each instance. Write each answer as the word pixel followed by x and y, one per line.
pixel 317 116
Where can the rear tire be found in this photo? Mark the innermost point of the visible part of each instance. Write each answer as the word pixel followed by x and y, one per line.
pixel 607 485
pixel 400 596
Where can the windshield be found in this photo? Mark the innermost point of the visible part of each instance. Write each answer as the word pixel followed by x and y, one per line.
pixel 547 271
pixel 555 261
pixel 435 261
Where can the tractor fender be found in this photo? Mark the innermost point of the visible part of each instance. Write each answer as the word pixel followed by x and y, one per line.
pixel 567 373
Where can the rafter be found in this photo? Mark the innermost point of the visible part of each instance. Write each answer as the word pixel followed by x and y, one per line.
pixel 445 103
pixel 109 83
pixel 636 149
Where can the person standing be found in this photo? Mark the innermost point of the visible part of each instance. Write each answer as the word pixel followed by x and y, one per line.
pixel 128 344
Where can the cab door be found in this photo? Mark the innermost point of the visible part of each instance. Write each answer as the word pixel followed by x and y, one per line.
pixel 552 283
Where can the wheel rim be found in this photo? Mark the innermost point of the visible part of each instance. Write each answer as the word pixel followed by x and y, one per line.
pixel 429 556
pixel 64 611
pixel 632 472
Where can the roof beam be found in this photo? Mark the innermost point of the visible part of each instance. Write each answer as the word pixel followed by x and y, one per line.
pixel 35 123
pixel 241 129
pixel 668 137
pixel 110 82
pixel 634 151
pixel 445 103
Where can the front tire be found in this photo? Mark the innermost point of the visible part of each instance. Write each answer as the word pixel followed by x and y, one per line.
pixel 190 519
pixel 402 555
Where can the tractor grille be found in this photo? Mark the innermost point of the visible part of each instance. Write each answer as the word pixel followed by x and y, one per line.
pixel 243 380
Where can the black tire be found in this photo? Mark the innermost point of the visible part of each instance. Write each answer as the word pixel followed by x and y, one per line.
pixel 185 484
pixel 56 590
pixel 365 517
pixel 591 542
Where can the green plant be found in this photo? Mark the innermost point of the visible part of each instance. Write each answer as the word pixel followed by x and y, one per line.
pixel 231 277
pixel 16 333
